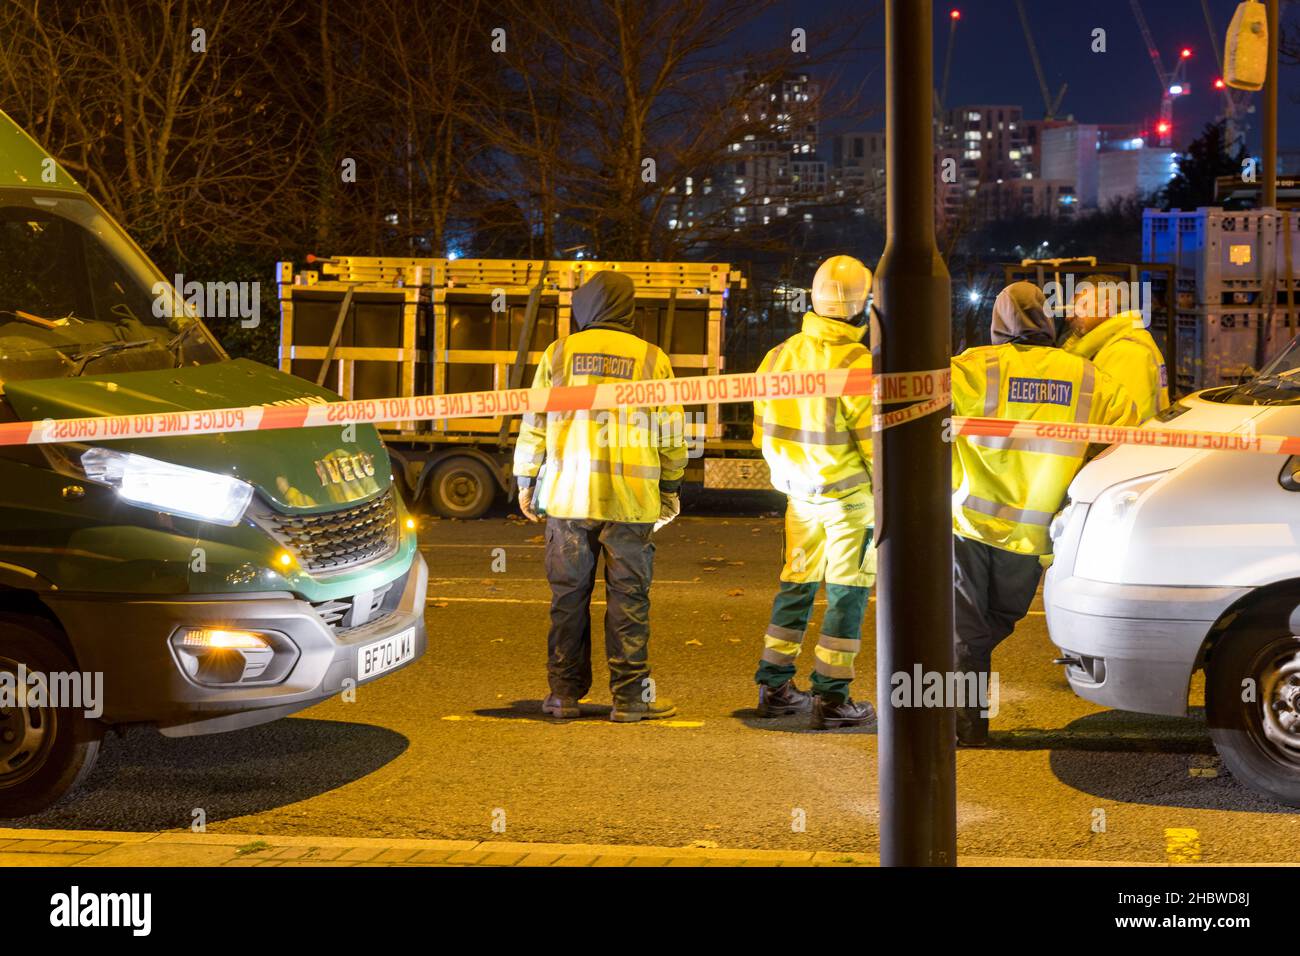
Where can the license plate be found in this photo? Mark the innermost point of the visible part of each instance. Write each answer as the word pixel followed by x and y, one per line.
pixel 382 656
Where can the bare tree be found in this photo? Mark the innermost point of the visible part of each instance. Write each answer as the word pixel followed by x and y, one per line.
pixel 161 106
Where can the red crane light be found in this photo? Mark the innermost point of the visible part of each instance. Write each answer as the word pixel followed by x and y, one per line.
pixel 1219 84
pixel 1186 53
pixel 1162 127
pixel 955 14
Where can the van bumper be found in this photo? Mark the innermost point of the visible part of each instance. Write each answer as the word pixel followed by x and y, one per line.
pixel 1133 647
pixel 130 643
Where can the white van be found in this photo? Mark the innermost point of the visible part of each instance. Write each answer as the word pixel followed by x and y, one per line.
pixel 1170 560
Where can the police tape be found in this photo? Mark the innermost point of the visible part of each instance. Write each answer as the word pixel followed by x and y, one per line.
pixel 1151 437
pixel 928 390
pixel 314 413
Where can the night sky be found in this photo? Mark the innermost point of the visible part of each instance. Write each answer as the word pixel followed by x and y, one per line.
pixel 991 61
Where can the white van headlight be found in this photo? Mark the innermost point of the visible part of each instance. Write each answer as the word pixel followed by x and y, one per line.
pixel 163 486
pixel 1107 528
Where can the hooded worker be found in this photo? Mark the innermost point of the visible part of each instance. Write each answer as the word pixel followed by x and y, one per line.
pixel 1006 491
pixel 604 481
pixel 1116 340
pixel 819 453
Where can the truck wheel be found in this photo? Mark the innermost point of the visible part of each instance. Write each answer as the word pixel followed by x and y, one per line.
pixel 45 752
pixel 1258 737
pixel 460 487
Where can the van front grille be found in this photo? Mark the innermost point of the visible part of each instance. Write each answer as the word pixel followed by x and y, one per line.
pixel 338 540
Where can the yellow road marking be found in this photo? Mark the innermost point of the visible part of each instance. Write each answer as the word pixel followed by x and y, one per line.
pixel 495 600
pixel 1182 845
pixel 590 721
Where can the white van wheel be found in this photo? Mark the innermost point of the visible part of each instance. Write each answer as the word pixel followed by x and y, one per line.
pixel 1253 709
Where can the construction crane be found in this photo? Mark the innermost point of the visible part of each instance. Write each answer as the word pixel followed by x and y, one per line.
pixel 941 94
pixel 1050 106
pixel 1236 103
pixel 1173 83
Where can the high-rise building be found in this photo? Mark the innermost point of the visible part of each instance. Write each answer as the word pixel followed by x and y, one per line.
pixel 976 145
pixel 1013 198
pixel 1069 154
pixel 857 173
pixel 1032 151
pixel 774 164
pixel 1137 172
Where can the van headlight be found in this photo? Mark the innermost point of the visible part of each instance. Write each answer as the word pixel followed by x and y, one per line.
pixel 1108 526
pixel 163 486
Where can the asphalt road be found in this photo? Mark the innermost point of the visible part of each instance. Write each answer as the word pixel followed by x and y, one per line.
pixel 456 743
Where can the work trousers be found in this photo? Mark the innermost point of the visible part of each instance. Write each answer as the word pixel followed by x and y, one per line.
pixel 830 542
pixel 573 546
pixel 993 589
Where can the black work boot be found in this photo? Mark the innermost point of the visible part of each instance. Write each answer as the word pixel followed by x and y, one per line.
pixel 566 708
pixel 782 701
pixel 972 727
pixel 629 712
pixel 827 715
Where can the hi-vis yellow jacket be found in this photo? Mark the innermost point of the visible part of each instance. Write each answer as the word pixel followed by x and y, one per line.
pixel 817 448
pixel 606 465
pixel 1007 490
pixel 1123 349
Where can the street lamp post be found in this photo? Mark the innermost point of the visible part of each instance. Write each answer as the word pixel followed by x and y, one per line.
pixel 913 470
pixel 1270 111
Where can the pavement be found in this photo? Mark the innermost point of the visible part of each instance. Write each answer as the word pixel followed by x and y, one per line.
pixel 455 748
pixel 108 848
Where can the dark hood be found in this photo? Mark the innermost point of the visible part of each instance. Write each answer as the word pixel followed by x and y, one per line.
pixel 608 301
pixel 1019 317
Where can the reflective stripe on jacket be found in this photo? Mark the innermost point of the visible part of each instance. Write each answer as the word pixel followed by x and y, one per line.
pixel 817 448
pixel 605 465
pixel 1007 490
pixel 1124 349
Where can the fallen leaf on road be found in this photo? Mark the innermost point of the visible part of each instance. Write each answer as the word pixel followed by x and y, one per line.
pixel 693 643
pixel 733 640
pixel 536 539
pixel 735 592
pixel 736 564
pixel 497 640
pixel 725 617
pixel 710 569
pixel 719 559
pixel 439 603
pixel 703 844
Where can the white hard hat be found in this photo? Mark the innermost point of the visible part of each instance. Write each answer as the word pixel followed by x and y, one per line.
pixel 840 288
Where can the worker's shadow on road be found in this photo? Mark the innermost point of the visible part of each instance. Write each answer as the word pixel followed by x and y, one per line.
pixel 1140 758
pixel 793 724
pixel 146 781
pixel 531 710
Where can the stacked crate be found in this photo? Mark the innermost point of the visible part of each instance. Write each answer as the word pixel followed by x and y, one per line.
pixel 381 348
pixel 439 325
pixel 1236 287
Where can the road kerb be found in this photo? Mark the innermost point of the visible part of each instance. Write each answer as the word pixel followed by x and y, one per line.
pixel 99 848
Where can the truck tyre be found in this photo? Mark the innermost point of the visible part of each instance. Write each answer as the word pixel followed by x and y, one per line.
pixel 460 487
pixel 45 752
pixel 1252 697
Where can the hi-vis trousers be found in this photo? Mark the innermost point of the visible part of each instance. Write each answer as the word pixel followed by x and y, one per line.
pixel 826 541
